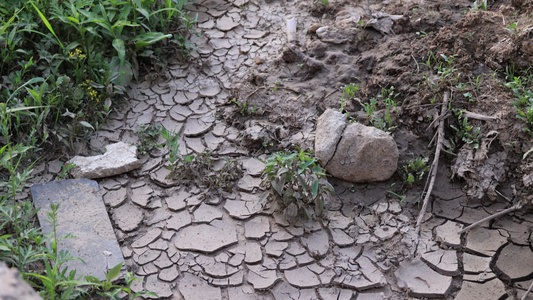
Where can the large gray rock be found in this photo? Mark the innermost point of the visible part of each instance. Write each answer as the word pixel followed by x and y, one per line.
pixel 82 213
pixel 119 158
pixel 13 287
pixel 329 129
pixel 354 152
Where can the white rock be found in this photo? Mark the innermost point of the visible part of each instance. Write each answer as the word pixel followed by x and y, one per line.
pixel 119 158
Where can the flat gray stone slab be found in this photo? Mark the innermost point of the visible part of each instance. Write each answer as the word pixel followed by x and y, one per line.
pixel 206 238
pixel 82 213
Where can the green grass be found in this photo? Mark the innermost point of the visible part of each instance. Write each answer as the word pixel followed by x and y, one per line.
pixel 63 64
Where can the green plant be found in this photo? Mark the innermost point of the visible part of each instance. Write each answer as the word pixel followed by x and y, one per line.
pixel 148 136
pixel 201 169
pixel 276 85
pixel 297 183
pixel 513 29
pixel 414 170
pixel 245 109
pixel 523 101
pixel 109 290
pixel 466 132
pixel 348 92
pixel 20 240
pixel 87 51
pixel 480 4
pixel 172 139
pixel 56 281
pixel 421 34
pixel 469 96
pixel 445 69
pixel 386 121
pixel 362 24
pixel 65 168
pixel 399 196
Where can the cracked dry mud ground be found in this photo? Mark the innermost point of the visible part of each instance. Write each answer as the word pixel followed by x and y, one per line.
pixel 183 247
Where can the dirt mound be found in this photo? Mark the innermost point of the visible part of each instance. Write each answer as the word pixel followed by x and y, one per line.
pixel 432 48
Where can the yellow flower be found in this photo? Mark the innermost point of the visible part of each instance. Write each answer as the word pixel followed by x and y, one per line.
pixel 76 54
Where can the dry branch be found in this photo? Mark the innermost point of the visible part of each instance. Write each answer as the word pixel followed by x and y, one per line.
pixel 435 164
pixel 493 216
pixel 473 115
pixel 527 292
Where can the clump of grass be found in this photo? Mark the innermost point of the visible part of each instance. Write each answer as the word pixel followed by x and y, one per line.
pixel 466 132
pixel 523 101
pixel 148 136
pixel 414 170
pixel 388 100
pixel 214 175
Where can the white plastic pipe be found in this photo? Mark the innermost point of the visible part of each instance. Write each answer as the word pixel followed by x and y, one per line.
pixel 291 28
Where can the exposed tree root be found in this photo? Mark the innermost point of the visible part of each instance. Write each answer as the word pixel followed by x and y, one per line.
pixel 435 164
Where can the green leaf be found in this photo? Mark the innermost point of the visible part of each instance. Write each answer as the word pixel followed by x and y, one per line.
pixel 314 188
pixel 31 81
pixel 277 185
pixel 92 279
pixel 6 25
pixel 74 20
pixel 143 12
pixel 45 21
pixel 292 210
pixel 86 124
pixel 149 38
pixel 308 163
pixel 113 272
pixel 118 44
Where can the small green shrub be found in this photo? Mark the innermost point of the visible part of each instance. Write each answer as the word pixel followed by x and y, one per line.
pixel 245 108
pixel 109 290
pixel 148 136
pixel 385 123
pixel 414 170
pixel 201 169
pixel 348 92
pixel 523 101
pixel 467 133
pixel 297 183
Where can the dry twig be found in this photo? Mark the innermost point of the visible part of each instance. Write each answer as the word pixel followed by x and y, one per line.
pixel 435 164
pixel 473 115
pixel 527 292
pixel 493 216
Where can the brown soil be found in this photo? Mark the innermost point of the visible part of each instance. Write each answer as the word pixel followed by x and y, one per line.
pixel 290 92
